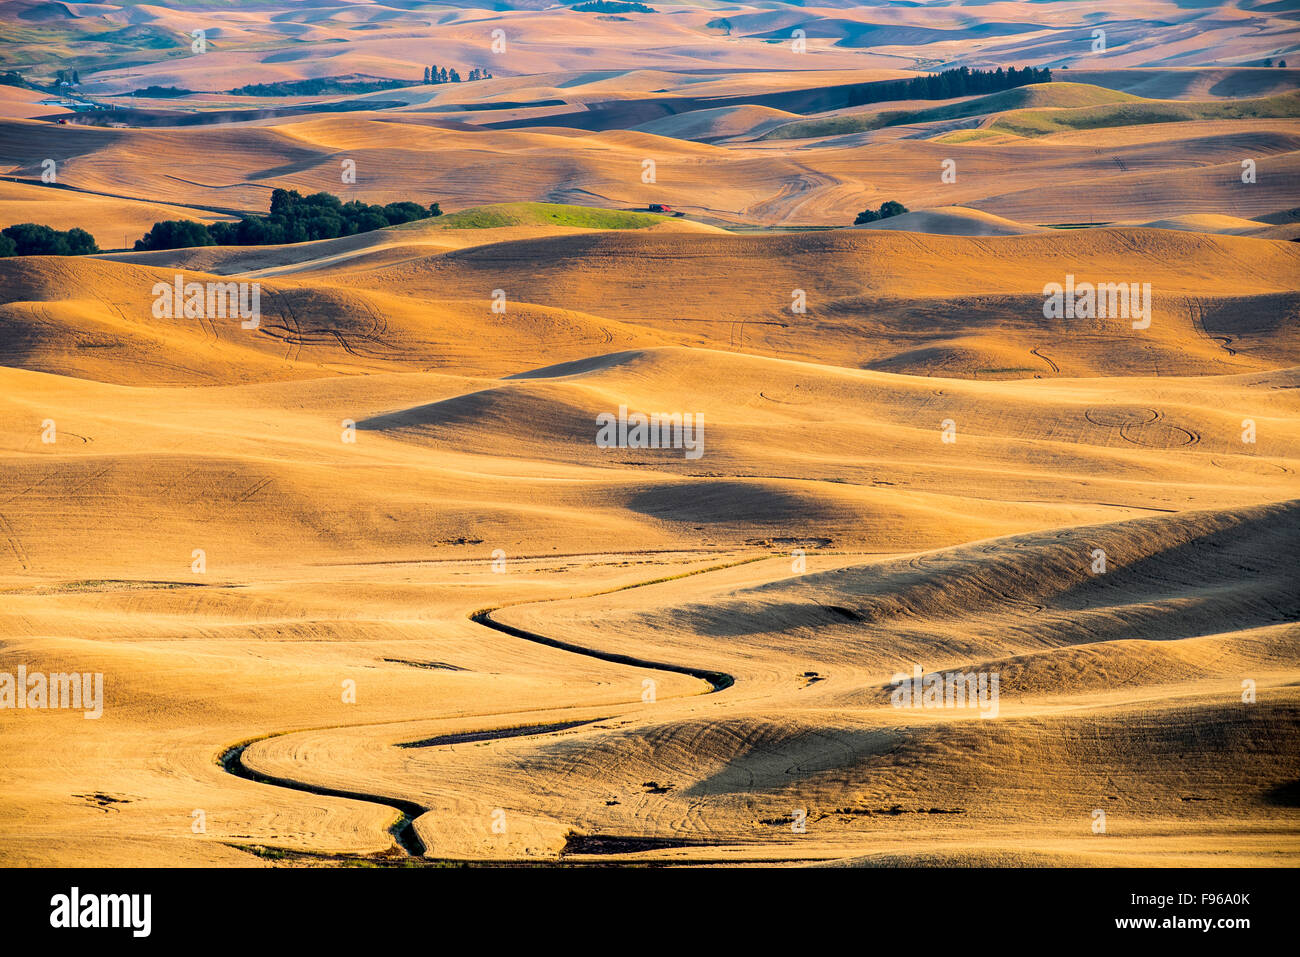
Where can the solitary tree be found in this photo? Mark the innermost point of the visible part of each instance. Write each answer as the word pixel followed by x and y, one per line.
pixel 887 209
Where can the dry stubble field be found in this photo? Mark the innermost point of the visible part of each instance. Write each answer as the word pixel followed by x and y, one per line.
pixel 364 588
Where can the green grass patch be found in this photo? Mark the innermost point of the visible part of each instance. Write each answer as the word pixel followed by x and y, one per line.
pixel 967 136
pixel 1043 122
pixel 544 214
pixel 1022 97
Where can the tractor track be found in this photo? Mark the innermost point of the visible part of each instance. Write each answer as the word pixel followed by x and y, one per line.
pixel 403 831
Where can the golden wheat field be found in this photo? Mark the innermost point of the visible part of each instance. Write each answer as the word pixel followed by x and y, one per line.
pixel 639 506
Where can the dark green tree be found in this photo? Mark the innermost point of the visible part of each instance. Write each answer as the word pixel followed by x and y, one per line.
pixel 175 234
pixel 293 218
pixel 888 208
pixel 33 239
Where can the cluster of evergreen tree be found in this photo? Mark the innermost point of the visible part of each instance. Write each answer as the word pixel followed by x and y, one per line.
pixel 30 239
pixel 433 75
pixel 166 92
pixel 317 86
pixel 613 6
pixel 61 78
pixel 887 209
pixel 293 218
pixel 962 81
